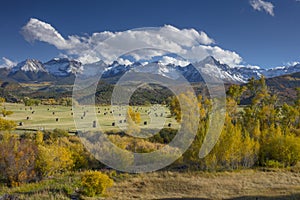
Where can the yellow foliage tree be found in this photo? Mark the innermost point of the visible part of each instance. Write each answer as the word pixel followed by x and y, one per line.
pixel 133 119
pixel 52 159
pixel 17 160
pixel 7 125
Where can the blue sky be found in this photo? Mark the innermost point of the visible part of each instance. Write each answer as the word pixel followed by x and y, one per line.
pixel 260 37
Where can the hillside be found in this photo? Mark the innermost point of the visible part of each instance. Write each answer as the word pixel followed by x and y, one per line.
pixel 284 86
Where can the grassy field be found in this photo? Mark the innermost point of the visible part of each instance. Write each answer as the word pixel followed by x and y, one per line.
pixel 238 185
pixel 44 117
pixel 247 184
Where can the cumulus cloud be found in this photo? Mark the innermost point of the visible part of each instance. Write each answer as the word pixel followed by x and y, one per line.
pixel 38 30
pixel 124 61
pixel 141 44
pixel 261 5
pixel 170 60
pixel 7 63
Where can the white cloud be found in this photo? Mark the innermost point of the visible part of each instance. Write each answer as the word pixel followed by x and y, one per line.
pixel 124 61
pixel 141 44
pixel 261 5
pixel 170 60
pixel 38 30
pixel 7 63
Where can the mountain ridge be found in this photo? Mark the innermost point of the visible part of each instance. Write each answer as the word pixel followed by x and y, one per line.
pixel 59 70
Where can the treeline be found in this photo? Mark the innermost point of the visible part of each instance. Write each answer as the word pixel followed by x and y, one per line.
pixel 146 95
pixel 263 133
pixel 65 101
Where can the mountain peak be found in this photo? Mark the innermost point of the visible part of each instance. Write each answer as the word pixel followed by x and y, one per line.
pixel 63 67
pixel 29 65
pixel 210 60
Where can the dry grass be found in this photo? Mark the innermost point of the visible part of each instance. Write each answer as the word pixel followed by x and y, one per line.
pixel 249 184
pixel 238 185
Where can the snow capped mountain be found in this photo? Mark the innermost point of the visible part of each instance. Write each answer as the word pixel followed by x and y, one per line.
pixel 62 68
pixel 192 72
pixel 115 69
pixel 278 71
pixel 28 71
pixel 34 70
pixel 29 65
pixel 55 67
pixel 213 68
pixel 169 71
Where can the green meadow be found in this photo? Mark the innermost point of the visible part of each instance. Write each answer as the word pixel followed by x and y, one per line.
pixel 49 117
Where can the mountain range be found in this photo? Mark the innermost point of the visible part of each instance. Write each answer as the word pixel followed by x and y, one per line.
pixel 64 71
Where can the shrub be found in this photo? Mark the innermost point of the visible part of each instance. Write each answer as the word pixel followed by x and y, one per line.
pixel 52 136
pixel 273 164
pixel 95 183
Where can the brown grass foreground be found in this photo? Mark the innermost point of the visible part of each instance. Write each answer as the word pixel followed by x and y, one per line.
pixel 246 184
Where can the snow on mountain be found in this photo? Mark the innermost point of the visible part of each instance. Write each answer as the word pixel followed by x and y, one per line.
pixel 29 65
pixel 169 71
pixel 278 71
pixel 211 67
pixel 114 69
pixel 63 67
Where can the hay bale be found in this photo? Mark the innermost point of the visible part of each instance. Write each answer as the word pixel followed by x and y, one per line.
pixel 56 119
